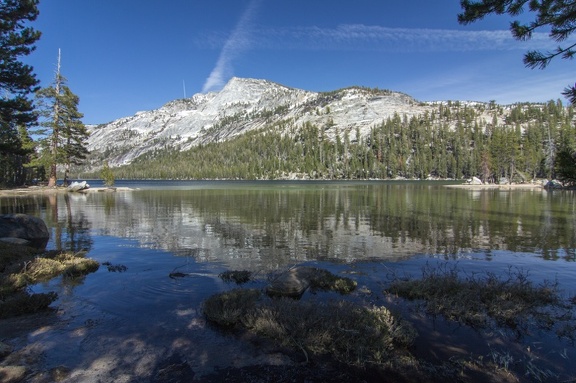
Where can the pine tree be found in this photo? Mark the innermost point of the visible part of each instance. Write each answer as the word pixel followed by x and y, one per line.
pixel 74 134
pixel 65 136
pixel 556 16
pixel 17 82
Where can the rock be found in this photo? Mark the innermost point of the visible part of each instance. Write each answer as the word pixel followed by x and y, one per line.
pixel 553 184
pixel 78 186
pixel 15 241
pixel 174 370
pixel 59 373
pixel 12 374
pixel 475 181
pixel 292 283
pixel 26 227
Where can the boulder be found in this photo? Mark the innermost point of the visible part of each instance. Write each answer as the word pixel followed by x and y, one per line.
pixel 294 282
pixel 291 283
pixel 25 227
pixel 553 184
pixel 78 186
pixel 475 181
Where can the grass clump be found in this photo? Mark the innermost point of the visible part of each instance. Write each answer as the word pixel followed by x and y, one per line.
pixel 21 266
pixel 325 280
pixel 237 276
pixel 231 307
pixel 479 299
pixel 67 264
pixel 347 332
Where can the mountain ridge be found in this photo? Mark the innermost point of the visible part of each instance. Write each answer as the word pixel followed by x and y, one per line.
pixel 241 106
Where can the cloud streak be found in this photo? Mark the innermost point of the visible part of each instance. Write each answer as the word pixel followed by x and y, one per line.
pixel 239 40
pixel 359 37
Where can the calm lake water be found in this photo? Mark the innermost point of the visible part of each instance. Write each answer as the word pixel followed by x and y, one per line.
pixel 206 227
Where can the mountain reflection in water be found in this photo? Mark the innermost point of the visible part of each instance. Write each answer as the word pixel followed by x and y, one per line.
pixel 270 223
pixel 132 316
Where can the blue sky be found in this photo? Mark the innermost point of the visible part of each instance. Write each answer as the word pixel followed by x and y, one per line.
pixel 124 56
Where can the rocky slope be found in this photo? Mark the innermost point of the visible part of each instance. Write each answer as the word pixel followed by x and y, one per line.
pixel 243 105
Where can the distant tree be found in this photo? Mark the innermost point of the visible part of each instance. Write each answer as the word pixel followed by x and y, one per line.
pixel 107 175
pixel 557 16
pixel 566 166
pixel 17 81
pixel 64 134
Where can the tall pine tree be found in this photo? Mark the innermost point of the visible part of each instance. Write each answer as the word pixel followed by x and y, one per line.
pixel 17 82
pixel 64 135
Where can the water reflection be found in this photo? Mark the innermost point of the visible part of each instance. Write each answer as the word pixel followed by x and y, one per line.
pixel 270 224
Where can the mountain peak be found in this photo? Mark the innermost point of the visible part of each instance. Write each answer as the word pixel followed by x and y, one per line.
pixel 245 104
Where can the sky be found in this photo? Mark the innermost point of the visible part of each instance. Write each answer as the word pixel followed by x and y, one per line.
pixel 125 56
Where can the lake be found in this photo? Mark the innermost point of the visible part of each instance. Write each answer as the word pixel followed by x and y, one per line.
pixel 130 317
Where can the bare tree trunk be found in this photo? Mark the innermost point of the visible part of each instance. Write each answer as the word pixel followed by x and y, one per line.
pixel 55 127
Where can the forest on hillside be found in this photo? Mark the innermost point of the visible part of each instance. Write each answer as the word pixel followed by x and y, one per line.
pixel 452 142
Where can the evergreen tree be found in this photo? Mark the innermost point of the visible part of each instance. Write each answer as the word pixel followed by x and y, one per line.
pixel 65 136
pixel 74 134
pixel 557 16
pixel 17 81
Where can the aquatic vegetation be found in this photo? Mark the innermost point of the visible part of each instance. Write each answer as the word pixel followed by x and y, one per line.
pixel 479 300
pixel 237 276
pixel 115 268
pixel 21 266
pixel 347 332
pixel 231 307
pixel 325 280
pixel 295 281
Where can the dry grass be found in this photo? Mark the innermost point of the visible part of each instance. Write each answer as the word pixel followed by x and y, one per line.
pixel 344 331
pixel 21 266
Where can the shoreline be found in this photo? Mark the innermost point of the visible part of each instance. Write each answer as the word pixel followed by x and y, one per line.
pixel 497 186
pixel 53 190
pixel 59 189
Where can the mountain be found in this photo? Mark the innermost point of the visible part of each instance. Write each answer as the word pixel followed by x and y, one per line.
pixel 241 106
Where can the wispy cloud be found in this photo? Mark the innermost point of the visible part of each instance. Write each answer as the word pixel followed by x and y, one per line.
pixel 359 37
pixel 239 40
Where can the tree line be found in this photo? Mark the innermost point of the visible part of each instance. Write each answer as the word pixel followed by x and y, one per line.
pixel 39 136
pixel 453 141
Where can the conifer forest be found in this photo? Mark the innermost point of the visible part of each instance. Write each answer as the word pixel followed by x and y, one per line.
pixel 455 141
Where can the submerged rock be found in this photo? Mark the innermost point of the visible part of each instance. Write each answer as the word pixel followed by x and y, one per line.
pixel 12 374
pixel 291 283
pixel 24 227
pixel 294 282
